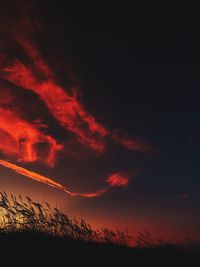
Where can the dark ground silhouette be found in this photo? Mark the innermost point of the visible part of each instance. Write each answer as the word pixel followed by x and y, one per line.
pixel 34 234
pixel 38 248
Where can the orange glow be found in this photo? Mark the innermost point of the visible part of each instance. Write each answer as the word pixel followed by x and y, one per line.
pixel 97 193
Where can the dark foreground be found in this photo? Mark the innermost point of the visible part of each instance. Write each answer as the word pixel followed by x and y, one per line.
pixel 34 249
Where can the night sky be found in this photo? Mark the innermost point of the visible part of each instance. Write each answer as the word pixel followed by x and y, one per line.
pixel 138 77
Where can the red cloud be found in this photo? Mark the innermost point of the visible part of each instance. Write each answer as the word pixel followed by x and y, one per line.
pixel 118 179
pixel 133 143
pixel 21 140
pixel 63 106
pixel 70 112
pixel 46 180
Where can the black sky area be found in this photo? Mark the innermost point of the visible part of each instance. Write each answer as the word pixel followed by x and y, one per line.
pixel 139 73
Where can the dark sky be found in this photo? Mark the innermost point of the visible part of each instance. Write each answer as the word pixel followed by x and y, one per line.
pixel 138 73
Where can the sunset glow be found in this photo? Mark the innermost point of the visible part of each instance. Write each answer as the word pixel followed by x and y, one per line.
pixel 99 116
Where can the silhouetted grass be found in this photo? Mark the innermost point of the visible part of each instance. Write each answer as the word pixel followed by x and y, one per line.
pixel 45 235
pixel 18 215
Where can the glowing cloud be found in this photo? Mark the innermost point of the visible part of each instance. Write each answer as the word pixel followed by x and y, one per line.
pixel 114 180
pixel 21 140
pixel 45 180
pixel 118 179
pixel 70 112
pixel 133 143
pixel 64 107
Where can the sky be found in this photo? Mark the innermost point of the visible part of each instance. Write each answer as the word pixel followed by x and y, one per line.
pixel 99 113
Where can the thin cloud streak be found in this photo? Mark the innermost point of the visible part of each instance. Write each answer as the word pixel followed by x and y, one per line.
pixel 48 181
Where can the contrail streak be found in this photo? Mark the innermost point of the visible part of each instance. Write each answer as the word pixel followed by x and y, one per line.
pixel 45 180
